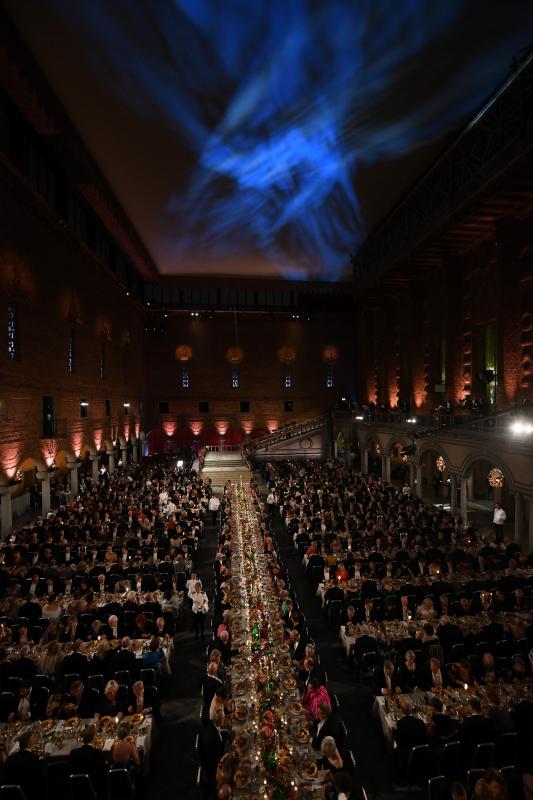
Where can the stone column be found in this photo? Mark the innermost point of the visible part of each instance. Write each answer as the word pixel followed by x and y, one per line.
pixel 44 477
pixel 518 517
pixel 364 461
pixel 124 454
pixel 464 499
pixel 73 468
pixel 134 451
pixel 111 464
pixel 412 476
pixel 530 529
pixel 385 467
pixel 453 493
pixel 419 480
pixel 94 466
pixel 6 512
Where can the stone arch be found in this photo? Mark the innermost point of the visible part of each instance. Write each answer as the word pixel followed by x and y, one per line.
pixel 371 437
pixel 31 462
pixel 427 447
pixel 87 447
pixel 490 458
pixel 109 445
pixel 63 456
pixel 395 440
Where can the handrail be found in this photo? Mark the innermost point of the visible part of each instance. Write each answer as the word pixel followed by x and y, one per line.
pixel 427 424
pixel 287 432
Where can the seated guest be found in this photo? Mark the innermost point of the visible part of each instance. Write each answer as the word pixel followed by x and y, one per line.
pixel 100 664
pixel 75 663
pixel 88 760
pixel 443 728
pixel 139 703
pixel 79 701
pixel 410 732
pixel 459 674
pixel 385 680
pixel 327 725
pixel 143 628
pixel 492 786
pixel 348 616
pixel 426 610
pixel 488 669
pixel 315 694
pixel 124 753
pixel 25 769
pixel 124 659
pixel 212 745
pixel 111 704
pixel 331 758
pixel 475 728
pixel 51 659
pixel 154 657
pixel 23 667
pixel 408 677
pixel 431 676
pixel 54 705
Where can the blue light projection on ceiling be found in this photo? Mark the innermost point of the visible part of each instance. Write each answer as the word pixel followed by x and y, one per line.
pixel 278 105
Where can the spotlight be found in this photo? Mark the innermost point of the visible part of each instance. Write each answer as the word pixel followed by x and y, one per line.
pixel 411 420
pixel 521 428
pixel 211 314
pixel 359 417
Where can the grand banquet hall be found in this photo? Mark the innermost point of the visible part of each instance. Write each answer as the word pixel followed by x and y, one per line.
pixel 266 386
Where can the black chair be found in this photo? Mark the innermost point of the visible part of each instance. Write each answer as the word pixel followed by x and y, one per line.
pixel 316 574
pixel 482 647
pixel 502 649
pixel 148 677
pixel 80 787
pixel 8 705
pixel 11 791
pixel 472 777
pixel 335 705
pixel 334 609
pixel 458 652
pixel 369 662
pixel 39 701
pixel 123 676
pixel 507 750
pixel 96 682
pixel 421 765
pixel 484 756
pixel 71 678
pixel 13 684
pixel 438 788
pixel 43 680
pixel 120 785
pixel 451 760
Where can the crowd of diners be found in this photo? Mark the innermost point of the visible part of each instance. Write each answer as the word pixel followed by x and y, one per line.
pixel 219 762
pixel 90 599
pixel 430 603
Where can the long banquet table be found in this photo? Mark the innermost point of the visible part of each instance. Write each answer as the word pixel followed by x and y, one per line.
pixel 272 740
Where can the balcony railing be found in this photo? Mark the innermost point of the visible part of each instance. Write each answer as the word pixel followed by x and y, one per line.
pixel 287 432
pixel 498 422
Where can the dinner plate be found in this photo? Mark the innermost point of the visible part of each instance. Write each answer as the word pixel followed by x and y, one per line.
pixel 136 719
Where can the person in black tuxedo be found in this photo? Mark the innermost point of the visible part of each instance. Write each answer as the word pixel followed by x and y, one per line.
pixel 410 732
pixel 124 658
pixel 23 667
pixel 327 725
pixel 80 701
pixel 87 760
pixel 26 769
pixel 475 729
pixel 212 745
pixel 385 679
pixel 210 683
pixel 76 663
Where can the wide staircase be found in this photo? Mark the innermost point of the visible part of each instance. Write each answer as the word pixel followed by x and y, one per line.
pixel 224 466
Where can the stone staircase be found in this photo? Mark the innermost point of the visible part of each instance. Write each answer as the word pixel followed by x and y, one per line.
pixel 222 467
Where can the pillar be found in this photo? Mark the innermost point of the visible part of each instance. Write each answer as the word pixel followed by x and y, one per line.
pixel 453 493
pixel 464 499
pixel 94 466
pixel 518 517
pixel 124 454
pixel 419 480
pixel 364 461
pixel 385 467
pixel 73 468
pixel 111 463
pixel 412 476
pixel 44 477
pixel 530 531
pixel 6 512
pixel 134 451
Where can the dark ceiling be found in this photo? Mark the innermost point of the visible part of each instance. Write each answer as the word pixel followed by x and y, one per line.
pixel 267 138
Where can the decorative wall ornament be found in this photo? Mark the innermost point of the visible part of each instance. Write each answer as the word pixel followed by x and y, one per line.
pixel 286 355
pixel 496 478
